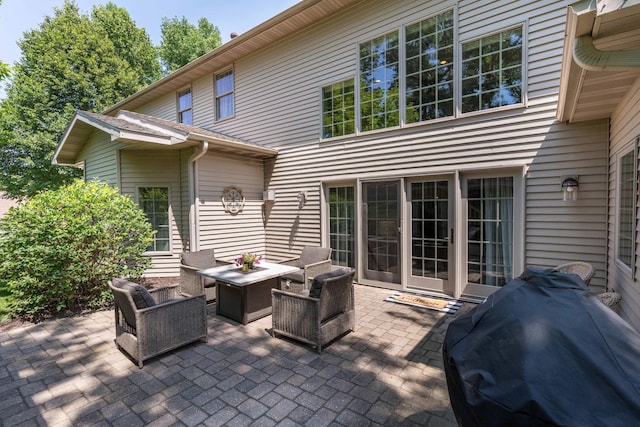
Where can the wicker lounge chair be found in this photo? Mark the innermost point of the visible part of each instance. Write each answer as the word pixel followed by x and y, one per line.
pixel 149 323
pixel 582 269
pixel 586 272
pixel 190 282
pixel 318 315
pixel 313 261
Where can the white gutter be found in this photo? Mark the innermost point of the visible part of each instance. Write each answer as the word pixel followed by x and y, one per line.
pixel 588 57
pixel 194 222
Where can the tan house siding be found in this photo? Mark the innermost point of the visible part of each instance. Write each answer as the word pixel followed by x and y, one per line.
pixel 229 234
pixel 625 129
pixel 161 169
pixel 165 107
pixel 526 137
pixel 99 156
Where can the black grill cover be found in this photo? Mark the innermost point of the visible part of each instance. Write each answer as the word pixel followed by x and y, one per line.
pixel 543 350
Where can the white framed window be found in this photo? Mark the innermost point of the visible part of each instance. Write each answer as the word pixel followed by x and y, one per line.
pixel 338 109
pixel 185 111
pixel 492 71
pixel 627 197
pixel 379 83
pixel 429 68
pixel 224 87
pixel 154 202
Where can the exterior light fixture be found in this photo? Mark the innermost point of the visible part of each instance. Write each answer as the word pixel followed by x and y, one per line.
pixel 570 188
pixel 302 199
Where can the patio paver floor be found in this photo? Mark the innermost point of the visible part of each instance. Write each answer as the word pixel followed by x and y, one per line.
pixel 389 372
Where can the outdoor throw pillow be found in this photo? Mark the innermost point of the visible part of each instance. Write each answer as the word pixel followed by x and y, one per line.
pixel 141 297
pixel 319 281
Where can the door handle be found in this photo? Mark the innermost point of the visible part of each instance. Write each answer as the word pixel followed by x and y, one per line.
pixel 451 236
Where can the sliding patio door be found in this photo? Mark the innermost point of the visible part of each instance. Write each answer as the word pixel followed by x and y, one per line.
pixel 381 234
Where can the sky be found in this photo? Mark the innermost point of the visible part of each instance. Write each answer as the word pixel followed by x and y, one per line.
pixel 18 16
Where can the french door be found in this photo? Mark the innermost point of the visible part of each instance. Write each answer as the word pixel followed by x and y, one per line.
pixel 431 242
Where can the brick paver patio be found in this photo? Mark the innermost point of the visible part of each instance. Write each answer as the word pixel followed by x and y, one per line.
pixel 68 372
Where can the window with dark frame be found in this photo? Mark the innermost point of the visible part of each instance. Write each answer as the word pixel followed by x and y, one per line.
pixel 185 111
pixel 224 95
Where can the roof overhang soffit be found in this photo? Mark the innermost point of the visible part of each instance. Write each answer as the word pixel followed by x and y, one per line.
pixel 597 50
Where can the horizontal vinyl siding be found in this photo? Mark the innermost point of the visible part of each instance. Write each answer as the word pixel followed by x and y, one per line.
pixel 625 128
pixel 230 235
pixel 146 168
pixel 99 155
pixel 278 104
pixel 164 107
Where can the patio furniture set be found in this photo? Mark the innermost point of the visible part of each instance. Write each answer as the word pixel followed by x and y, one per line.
pixel 310 302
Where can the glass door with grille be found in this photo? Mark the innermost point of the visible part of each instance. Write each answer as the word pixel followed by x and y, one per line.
pixel 430 215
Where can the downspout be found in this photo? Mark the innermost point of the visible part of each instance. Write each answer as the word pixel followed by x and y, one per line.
pixel 588 57
pixel 194 245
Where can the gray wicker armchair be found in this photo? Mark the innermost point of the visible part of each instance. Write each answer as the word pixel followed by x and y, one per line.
pixel 313 261
pixel 582 269
pixel 149 323
pixel 192 283
pixel 318 315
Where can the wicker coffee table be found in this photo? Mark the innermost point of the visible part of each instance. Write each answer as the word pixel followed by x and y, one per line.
pixel 245 297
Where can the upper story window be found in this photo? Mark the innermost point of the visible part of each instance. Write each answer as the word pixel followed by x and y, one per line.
pixel 338 109
pixel 379 83
pixel 185 112
pixel 429 69
pixel 492 71
pixel 154 201
pixel 224 95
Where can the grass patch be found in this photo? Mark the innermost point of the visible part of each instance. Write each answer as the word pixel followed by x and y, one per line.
pixel 4 303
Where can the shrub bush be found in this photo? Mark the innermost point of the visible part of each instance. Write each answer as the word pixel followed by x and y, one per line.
pixel 59 249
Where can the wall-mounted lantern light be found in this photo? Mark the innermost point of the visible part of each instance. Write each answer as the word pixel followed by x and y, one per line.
pixel 570 188
pixel 302 199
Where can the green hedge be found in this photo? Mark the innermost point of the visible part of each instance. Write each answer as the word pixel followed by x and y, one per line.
pixel 59 249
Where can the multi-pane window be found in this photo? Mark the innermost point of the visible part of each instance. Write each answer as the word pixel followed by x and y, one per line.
pixel 185 112
pixel 379 83
pixel 492 71
pixel 154 201
pixel 224 95
pixel 490 230
pixel 429 69
pixel 342 225
pixel 627 178
pixel 338 109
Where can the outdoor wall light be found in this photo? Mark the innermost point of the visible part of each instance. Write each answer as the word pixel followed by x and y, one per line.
pixel 570 188
pixel 302 199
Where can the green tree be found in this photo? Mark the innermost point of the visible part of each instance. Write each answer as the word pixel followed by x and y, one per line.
pixel 70 62
pixel 183 42
pixel 60 247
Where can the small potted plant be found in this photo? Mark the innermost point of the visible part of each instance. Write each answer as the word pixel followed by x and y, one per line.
pixel 247 260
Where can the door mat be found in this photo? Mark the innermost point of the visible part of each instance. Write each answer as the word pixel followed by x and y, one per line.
pixel 430 303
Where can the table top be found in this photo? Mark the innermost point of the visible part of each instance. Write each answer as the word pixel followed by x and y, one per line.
pixel 234 275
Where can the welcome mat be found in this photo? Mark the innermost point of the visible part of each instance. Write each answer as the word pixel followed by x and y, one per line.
pixel 430 303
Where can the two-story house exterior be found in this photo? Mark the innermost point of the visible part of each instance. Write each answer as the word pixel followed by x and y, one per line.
pixel 424 141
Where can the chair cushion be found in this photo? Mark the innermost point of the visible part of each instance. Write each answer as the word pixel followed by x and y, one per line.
pixel 312 254
pixel 320 280
pixel 296 276
pixel 141 297
pixel 199 259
